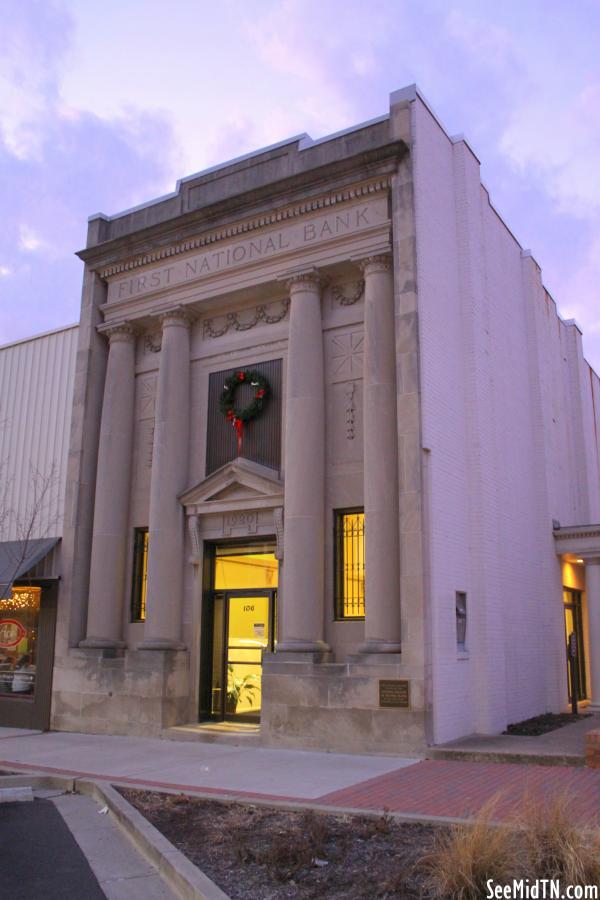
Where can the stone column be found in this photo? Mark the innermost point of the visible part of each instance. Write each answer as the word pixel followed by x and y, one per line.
pixel 111 508
pixel 592 593
pixel 162 630
pixel 382 545
pixel 302 611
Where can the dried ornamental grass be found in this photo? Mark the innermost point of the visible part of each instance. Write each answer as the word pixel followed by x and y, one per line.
pixel 465 858
pixel 544 842
pixel 555 846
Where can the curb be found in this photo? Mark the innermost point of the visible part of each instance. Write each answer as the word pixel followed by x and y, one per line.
pixel 75 783
pixel 321 809
pixel 182 876
pixel 185 879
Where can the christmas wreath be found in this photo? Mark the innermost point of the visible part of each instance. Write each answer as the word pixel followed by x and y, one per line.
pixel 236 416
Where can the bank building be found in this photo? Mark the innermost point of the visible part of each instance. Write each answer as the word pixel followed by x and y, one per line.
pixel 326 462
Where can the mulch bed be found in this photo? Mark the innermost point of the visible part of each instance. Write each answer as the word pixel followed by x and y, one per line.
pixel 543 724
pixel 261 853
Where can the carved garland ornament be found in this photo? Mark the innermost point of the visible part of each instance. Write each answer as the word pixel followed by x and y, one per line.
pixel 153 342
pixel 339 295
pixel 259 314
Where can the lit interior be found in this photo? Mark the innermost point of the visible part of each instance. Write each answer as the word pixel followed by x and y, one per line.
pixel 353 564
pixel 19 622
pixel 248 628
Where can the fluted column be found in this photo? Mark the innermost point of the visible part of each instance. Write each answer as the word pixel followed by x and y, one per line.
pixel 162 630
pixel 302 611
pixel 592 593
pixel 111 509
pixel 382 545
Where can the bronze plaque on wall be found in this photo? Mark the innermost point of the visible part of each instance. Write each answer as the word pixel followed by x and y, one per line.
pixel 394 693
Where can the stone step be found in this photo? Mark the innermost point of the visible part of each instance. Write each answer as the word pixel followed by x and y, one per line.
pixel 507 756
pixel 215 733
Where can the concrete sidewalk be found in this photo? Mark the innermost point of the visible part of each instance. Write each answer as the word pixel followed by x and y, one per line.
pixel 418 789
pixel 193 766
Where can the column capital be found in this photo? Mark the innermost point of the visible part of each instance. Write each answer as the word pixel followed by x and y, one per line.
pixel 177 315
pixel 121 331
pixel 381 262
pixel 309 279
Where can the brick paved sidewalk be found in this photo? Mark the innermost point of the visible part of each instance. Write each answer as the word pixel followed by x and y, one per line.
pixel 430 788
pixel 460 789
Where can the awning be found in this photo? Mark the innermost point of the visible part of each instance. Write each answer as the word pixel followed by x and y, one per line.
pixel 18 557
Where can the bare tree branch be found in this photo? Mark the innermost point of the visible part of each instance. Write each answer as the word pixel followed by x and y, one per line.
pixel 38 520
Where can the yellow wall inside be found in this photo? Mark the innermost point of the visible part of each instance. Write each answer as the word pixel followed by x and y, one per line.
pixel 256 570
pixel 573 576
pixel 249 625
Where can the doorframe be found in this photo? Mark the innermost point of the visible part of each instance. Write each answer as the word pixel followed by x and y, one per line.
pixel 209 556
pixel 576 607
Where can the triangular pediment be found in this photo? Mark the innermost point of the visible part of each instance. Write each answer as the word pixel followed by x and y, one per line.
pixel 240 484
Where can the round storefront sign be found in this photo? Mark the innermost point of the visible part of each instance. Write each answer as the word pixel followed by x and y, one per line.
pixel 11 632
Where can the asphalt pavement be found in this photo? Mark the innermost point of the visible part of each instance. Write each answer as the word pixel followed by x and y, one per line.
pixel 40 858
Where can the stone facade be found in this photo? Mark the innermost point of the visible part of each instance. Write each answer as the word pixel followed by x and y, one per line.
pixel 416 342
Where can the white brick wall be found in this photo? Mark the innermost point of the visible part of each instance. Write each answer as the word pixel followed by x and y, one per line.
pixel 508 418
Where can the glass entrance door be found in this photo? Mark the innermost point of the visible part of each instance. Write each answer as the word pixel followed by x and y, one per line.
pixel 574 624
pixel 243 605
pixel 245 622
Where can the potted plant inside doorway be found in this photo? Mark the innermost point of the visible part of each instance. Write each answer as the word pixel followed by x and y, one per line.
pixel 239 689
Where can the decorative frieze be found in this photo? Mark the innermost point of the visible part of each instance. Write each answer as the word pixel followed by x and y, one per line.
pixel 278 522
pixel 231 231
pixel 345 356
pixel 350 391
pixel 268 313
pixel 345 295
pixel 309 278
pixel 121 331
pixel 382 262
pixel 195 541
pixel 153 342
pixel 146 397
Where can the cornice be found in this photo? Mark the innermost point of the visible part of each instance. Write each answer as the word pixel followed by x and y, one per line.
pixel 283 214
pixel 592 531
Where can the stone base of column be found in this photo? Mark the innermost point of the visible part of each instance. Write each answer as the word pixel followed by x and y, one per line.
pixel 161 645
pixel 366 658
pixel 303 647
pixel 93 643
pixel 380 647
pixel 121 692
pixel 307 657
pixel 336 706
pixel 590 708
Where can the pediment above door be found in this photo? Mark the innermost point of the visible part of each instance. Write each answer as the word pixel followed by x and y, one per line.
pixel 240 484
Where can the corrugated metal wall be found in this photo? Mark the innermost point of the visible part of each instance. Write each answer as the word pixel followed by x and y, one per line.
pixel 36 396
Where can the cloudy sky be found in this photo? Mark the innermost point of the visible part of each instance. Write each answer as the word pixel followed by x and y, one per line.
pixel 105 103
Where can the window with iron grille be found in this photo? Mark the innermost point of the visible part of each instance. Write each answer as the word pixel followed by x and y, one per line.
pixel 140 575
pixel 349 563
